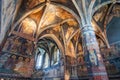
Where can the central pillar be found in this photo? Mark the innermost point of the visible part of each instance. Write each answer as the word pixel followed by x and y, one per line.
pixel 93 58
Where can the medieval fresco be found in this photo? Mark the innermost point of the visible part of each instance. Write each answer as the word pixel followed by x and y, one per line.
pixel 28 27
pixel 3 59
pixel 81 68
pixel 111 58
pixel 43 35
pixel 33 3
pixel 18 45
pixel 16 64
pixel 16 56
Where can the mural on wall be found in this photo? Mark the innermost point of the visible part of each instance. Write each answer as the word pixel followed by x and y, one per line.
pixel 92 57
pixel 81 68
pixel 80 56
pixel 16 57
pixel 70 50
pixel 21 66
pixel 100 43
pixel 18 45
pixel 68 32
pixel 112 58
pixel 91 54
pixel 3 58
pixel 16 64
pixel 7 13
pixel 89 38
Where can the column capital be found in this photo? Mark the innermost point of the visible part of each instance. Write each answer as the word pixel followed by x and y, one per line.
pixel 87 27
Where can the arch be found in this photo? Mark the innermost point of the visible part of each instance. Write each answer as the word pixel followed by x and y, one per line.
pixel 70 11
pixel 52 36
pixel 40 7
pixel 54 25
pixel 103 4
pixel 109 17
pixel 105 24
pixel 103 36
pixel 113 30
pixel 73 35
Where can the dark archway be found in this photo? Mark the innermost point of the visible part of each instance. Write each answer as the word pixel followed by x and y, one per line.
pixel 48 59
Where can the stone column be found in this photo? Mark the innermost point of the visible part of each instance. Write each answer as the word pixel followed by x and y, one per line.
pixel 93 58
pixel 67 68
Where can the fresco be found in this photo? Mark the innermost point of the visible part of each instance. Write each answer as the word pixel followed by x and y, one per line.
pixel 12 63
pixel 3 59
pixel 18 45
pixel 7 13
pixel 112 58
pixel 16 56
pixel 28 27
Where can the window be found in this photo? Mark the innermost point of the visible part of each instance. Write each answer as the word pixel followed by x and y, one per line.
pixel 55 56
pixel 39 58
pixel 46 61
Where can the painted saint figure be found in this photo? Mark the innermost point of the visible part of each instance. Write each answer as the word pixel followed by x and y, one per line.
pixel 10 64
pixel 19 64
pixel 93 57
pixel 24 70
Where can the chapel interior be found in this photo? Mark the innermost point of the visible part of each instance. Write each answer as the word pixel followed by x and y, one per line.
pixel 59 39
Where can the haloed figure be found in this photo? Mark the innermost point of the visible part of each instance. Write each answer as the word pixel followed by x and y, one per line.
pixel 93 57
pixel 19 63
pixel 10 62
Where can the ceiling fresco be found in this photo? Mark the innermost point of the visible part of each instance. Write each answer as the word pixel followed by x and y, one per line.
pixel 52 25
pixel 50 21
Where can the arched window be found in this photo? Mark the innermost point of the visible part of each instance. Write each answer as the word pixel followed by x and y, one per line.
pixel 55 56
pixel 46 61
pixel 47 54
pixel 39 58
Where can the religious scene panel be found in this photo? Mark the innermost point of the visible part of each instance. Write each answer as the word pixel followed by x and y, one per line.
pixel 112 58
pixel 13 64
pixel 18 45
